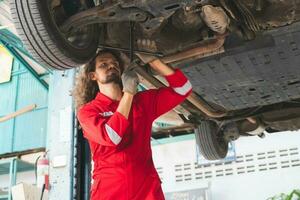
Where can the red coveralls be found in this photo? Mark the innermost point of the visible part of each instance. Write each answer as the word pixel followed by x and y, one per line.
pixel 121 150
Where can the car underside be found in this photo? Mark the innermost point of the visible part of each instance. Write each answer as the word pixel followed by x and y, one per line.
pixel 241 56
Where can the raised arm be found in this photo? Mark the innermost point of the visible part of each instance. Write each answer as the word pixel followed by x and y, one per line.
pixel 164 99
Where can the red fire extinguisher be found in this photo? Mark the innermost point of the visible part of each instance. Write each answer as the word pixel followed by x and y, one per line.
pixel 42 172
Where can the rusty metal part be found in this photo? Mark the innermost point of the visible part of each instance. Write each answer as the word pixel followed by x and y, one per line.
pixel 205 109
pixel 278 13
pixel 215 18
pixel 205 47
pixel 103 14
pixel 247 16
pixel 243 22
pixel 187 20
pixel 239 11
pixel 263 14
pixel 157 54
pixel 228 10
pixel 173 129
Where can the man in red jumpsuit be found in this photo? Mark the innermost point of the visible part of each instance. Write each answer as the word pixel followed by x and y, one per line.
pixel 117 124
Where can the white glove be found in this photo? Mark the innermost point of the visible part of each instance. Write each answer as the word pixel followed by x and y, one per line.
pixel 130 81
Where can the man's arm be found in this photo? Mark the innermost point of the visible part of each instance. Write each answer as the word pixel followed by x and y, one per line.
pixel 161 67
pixel 130 83
pixel 164 99
pixel 107 131
pixel 104 130
pixel 125 104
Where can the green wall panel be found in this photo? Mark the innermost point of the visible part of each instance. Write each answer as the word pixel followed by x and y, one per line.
pixel 27 131
pixel 7 104
pixel 6 130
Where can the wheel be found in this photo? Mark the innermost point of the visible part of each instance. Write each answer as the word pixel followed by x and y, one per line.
pixel 37 23
pixel 210 141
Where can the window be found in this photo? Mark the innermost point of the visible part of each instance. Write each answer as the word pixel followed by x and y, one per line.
pixel 6 61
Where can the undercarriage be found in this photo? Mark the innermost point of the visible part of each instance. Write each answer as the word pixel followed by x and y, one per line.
pixel 241 56
pixel 179 25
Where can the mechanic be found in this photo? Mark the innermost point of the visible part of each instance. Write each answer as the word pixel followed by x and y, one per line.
pixel 117 121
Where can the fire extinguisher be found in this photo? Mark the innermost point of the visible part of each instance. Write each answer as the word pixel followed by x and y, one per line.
pixel 42 172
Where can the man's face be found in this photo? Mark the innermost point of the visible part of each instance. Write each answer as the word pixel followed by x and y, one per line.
pixel 107 69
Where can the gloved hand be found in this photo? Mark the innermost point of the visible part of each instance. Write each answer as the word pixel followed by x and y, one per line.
pixel 130 80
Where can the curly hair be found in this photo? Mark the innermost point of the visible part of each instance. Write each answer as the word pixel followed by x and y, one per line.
pixel 86 89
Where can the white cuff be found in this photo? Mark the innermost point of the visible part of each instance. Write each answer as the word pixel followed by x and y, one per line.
pixel 113 135
pixel 183 90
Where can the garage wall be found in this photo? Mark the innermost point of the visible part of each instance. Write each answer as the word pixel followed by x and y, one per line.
pixel 263 168
pixel 27 131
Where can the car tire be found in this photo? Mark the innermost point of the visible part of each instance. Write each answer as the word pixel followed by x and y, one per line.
pixel 210 141
pixel 41 36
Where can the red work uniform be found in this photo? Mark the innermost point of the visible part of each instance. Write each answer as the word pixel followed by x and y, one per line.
pixel 121 148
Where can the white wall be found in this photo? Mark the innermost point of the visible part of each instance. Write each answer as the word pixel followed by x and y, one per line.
pixel 264 168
